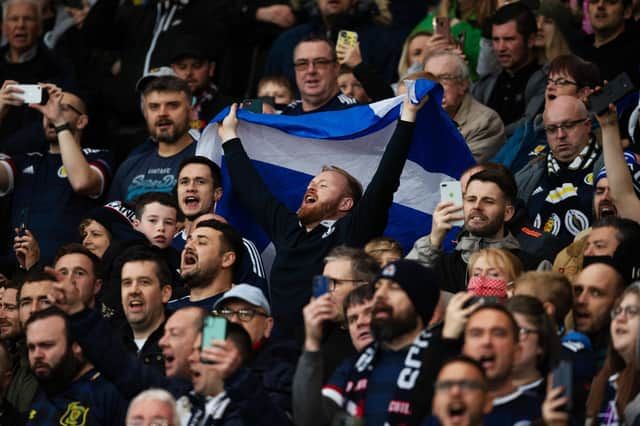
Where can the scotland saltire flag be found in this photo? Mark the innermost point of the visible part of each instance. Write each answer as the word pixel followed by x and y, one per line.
pixel 288 151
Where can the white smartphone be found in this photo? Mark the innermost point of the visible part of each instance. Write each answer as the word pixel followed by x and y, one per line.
pixel 31 93
pixel 452 191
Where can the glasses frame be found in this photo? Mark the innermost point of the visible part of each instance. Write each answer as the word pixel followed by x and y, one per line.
pixel 319 63
pixel 562 82
pixel 463 384
pixel 630 311
pixel 566 127
pixel 240 313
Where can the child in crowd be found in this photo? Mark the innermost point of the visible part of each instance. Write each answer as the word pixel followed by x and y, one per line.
pixel 277 87
pixel 156 218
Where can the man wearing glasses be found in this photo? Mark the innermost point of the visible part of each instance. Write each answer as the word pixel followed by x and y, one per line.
pixel 316 68
pixel 558 189
pixel 461 393
pixel 54 189
pixel 273 362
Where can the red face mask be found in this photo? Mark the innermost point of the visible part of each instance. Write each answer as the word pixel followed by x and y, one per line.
pixel 487 286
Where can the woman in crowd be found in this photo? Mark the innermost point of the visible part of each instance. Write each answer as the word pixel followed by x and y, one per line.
pixel 618 382
pixel 414 53
pixel 539 341
pixel 557 31
pixel 492 272
pixel 384 250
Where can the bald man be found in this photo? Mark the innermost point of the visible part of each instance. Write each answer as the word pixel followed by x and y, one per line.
pixel 53 190
pixel 558 189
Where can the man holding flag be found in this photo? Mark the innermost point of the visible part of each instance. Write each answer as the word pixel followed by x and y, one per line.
pixel 333 211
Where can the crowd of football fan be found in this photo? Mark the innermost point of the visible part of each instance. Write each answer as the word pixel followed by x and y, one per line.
pixel 127 299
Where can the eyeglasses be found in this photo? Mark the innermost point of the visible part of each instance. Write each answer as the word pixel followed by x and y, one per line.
pixel 568 126
pixel 630 311
pixel 154 422
pixel 244 315
pixel 447 78
pixel 464 385
pixel 525 332
pixel 609 2
pixel 335 282
pixel 320 63
pixel 561 82
pixel 67 107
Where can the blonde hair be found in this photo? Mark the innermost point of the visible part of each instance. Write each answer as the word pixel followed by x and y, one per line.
pixel 381 245
pixel 504 260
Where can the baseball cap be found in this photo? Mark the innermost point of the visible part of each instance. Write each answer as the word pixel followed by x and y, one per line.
pixel 152 74
pixel 248 293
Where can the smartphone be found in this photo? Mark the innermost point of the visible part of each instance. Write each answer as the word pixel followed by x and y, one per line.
pixel 615 90
pixel 252 105
pixel 563 376
pixel 320 285
pixel 452 191
pixel 441 26
pixel 486 300
pixel 347 38
pixel 22 221
pixel 31 93
pixel 213 328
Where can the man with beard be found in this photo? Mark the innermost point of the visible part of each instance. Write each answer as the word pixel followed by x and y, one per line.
pixel 488 205
pixel 209 260
pixel 333 211
pixel 70 391
pixel 166 106
pixel 199 188
pixel 53 190
pixel 461 396
pixel 383 384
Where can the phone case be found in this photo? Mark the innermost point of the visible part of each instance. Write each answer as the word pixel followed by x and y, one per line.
pixel 213 328
pixel 347 38
pixel 32 93
pixel 452 191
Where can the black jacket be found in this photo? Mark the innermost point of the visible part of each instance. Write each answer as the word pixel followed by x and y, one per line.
pixel 300 254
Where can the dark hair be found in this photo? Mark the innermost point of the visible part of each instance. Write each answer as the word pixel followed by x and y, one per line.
pixel 465 359
pixel 162 198
pixel 585 73
pixel 315 38
pixel 239 336
pixel 548 340
pixel 216 174
pixel 230 240
pixel 502 178
pixel 35 275
pixel 500 308
pixel 140 253
pixel 49 312
pixel 363 266
pixel 524 17
pixel 167 83
pixel 76 248
pixel 15 285
pixel 357 296
pixel 626 229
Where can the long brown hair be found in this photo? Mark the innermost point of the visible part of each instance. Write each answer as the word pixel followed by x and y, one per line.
pixel 628 383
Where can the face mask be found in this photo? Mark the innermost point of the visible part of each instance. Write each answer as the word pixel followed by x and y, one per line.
pixel 487 286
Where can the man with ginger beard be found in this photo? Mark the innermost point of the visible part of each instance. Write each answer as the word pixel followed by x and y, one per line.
pixel 333 211
pixel 70 388
pixel 385 384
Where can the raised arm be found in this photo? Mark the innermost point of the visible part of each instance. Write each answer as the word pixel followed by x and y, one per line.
pixel 620 179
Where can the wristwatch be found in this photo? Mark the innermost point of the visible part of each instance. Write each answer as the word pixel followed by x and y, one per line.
pixel 62 127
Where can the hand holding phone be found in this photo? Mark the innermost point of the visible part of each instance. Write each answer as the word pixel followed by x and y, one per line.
pixel 213 328
pixel 320 285
pixel 29 93
pixel 442 27
pixel 347 38
pixel 611 93
pixel 563 376
pixel 452 191
pixel 252 105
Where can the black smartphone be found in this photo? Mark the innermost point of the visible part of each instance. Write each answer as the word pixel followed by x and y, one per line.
pixel 486 300
pixel 563 376
pixel 22 221
pixel 320 285
pixel 253 105
pixel 615 90
pixel 461 38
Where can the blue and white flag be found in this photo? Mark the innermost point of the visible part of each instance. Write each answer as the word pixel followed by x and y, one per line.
pixel 288 151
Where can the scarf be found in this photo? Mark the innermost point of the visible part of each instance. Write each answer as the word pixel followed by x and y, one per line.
pixel 197 410
pixel 470 244
pixel 399 410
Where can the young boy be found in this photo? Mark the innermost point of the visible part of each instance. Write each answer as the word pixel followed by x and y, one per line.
pixel 156 218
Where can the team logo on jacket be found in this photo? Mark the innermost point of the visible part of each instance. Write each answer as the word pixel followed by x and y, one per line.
pixel 588 179
pixel 62 172
pixel 575 221
pixel 76 415
pixel 552 225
